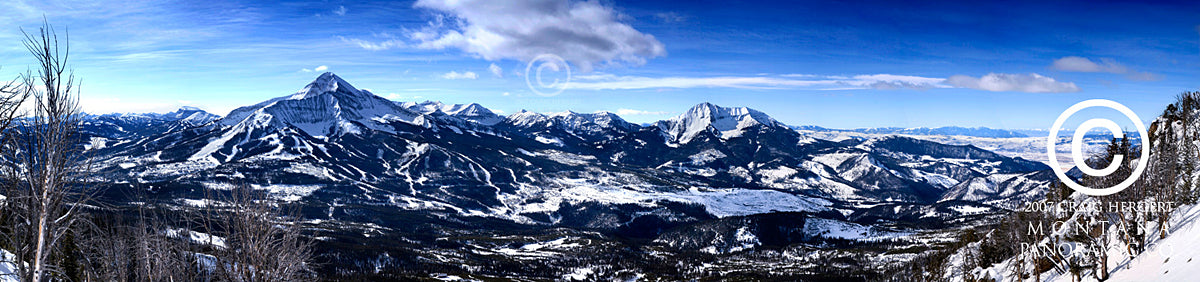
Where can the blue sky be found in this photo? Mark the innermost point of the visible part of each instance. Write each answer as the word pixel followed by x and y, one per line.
pixel 828 63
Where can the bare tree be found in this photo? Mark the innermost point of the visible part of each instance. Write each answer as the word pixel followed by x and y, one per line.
pixel 142 243
pixel 11 98
pixel 42 203
pixel 258 246
pixel 143 249
pixel 108 248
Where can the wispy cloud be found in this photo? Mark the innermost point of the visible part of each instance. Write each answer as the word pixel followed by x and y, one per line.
pixel 819 82
pixel 374 45
pixel 585 33
pixel 892 81
pixel 340 11
pixel 460 75
pixel 1033 83
pixel 1000 82
pixel 1106 65
pixel 128 26
pixel 145 56
pixel 670 17
pixel 496 70
pixel 1081 64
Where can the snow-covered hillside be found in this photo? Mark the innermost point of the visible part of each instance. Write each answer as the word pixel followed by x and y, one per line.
pixel 1146 232
pixel 1174 258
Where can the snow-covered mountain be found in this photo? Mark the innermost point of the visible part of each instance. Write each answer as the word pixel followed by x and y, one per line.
pixel 327 107
pixel 722 122
pixel 472 112
pixel 190 116
pixel 363 166
pixel 580 129
pixel 131 124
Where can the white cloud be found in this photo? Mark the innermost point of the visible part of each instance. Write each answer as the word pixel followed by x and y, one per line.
pixel 374 45
pixel 874 81
pixel 585 33
pixel 670 17
pixel 1030 83
pixel 341 11
pixel 892 81
pixel 1143 76
pixel 318 68
pixel 633 82
pixel 1081 64
pixel 458 75
pixel 496 70
pixel 630 112
pixel 991 82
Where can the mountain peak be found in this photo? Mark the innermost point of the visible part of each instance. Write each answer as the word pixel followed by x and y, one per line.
pixel 190 115
pixel 471 109
pixel 727 122
pixel 526 118
pixel 327 107
pixel 705 106
pixel 326 82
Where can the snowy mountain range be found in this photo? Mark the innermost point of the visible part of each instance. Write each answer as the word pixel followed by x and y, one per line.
pixel 945 130
pixel 714 180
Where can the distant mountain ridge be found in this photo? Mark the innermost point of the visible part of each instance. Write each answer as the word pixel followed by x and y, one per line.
pixel 127 125
pixel 361 164
pixel 333 133
pixel 945 130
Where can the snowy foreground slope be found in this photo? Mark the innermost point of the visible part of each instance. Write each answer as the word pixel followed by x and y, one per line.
pixel 1090 244
pixel 1174 258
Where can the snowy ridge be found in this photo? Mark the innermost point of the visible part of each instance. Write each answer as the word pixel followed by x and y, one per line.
pixel 569 121
pixel 471 112
pixel 724 122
